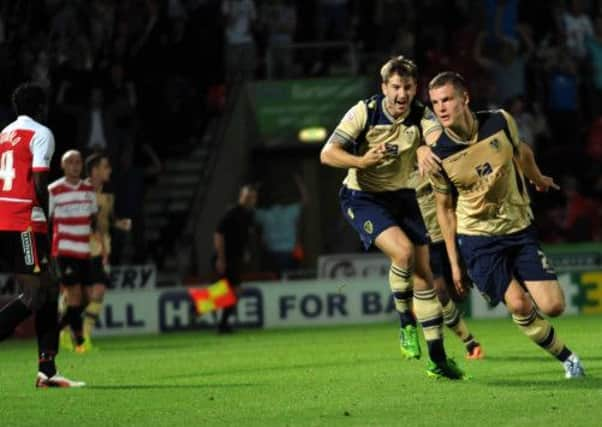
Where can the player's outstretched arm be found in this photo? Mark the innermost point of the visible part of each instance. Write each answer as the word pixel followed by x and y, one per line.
pixel 526 159
pixel 446 216
pixel 334 154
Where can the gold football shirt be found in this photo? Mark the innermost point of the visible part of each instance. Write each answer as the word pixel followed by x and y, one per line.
pixel 426 202
pixel 368 124
pixel 492 195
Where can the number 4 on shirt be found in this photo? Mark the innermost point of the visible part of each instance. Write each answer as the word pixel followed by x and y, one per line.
pixel 7 170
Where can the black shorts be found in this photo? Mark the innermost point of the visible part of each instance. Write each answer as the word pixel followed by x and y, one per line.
pixel 98 273
pixel 74 271
pixel 24 252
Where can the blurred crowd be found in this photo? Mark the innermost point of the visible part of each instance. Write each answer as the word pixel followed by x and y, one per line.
pixel 138 78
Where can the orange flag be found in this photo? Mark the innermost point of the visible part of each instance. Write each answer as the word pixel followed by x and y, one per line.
pixel 213 297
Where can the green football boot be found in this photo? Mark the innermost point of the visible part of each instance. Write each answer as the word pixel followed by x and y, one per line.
pixel 66 340
pixel 409 343
pixel 449 370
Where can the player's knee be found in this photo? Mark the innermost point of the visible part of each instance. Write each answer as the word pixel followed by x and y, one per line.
pixel 98 294
pixel 403 258
pixel 553 308
pixel 519 305
pixel 73 295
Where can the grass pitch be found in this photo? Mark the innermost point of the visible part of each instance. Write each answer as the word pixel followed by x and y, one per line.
pixel 347 376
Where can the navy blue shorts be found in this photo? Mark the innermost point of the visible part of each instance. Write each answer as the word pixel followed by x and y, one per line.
pixel 372 213
pixel 492 261
pixel 440 262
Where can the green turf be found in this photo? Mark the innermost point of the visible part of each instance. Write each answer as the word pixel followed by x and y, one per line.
pixel 348 376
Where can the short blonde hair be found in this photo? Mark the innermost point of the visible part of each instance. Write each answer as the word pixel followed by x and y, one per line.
pixel 401 65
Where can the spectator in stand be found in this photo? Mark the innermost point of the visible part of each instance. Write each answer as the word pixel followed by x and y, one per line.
pixel 241 52
pixel 582 216
pixel 280 223
pixel 578 28
pixel 100 126
pixel 563 106
pixel 508 67
pixel 594 141
pixel 594 54
pixel 502 19
pixel 280 18
pixel 531 126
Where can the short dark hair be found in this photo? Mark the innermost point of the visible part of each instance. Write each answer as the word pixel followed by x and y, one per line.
pixel 401 65
pixel 449 77
pixel 29 99
pixel 93 160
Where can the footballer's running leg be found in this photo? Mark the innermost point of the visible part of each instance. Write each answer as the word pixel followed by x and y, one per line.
pixel 539 330
pixel 430 315
pixel 400 281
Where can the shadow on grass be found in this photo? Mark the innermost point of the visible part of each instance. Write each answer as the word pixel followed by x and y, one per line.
pixel 164 386
pixel 289 367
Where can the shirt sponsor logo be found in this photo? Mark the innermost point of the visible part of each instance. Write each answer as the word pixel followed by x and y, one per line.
pixel 495 144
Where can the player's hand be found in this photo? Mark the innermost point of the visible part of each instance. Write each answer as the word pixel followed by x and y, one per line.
pixel 220 266
pixel 428 162
pixel 373 156
pixel 457 278
pixel 124 224
pixel 544 183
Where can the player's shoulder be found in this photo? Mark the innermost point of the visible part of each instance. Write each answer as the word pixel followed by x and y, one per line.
pixel 375 112
pixel 498 117
pixel 493 121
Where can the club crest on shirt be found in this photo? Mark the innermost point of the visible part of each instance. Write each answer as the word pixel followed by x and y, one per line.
pixel 368 227
pixel 495 144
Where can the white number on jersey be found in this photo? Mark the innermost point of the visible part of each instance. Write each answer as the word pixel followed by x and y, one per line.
pixel 7 170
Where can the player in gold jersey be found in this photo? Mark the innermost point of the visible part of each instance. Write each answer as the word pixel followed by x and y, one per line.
pixel 377 141
pixel 441 268
pixel 483 158
pixel 99 171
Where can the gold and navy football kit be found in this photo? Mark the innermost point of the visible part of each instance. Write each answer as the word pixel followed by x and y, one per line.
pixel 438 258
pixel 381 196
pixel 494 232
pixel 100 242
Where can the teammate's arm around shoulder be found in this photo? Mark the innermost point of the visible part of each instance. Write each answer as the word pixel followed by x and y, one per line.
pixel 428 162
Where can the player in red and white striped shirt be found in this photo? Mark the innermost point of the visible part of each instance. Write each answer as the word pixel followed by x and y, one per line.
pixel 72 206
pixel 26 148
